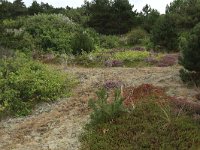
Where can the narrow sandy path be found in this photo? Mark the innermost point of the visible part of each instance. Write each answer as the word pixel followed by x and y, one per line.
pixel 57 126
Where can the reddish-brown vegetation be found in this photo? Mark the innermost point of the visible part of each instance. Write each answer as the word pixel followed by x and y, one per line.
pixel 146 92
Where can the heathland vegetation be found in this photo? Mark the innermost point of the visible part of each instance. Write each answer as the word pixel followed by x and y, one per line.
pixel 35 40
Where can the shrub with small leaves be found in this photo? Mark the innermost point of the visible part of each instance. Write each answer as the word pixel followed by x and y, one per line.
pixel 24 83
pixel 109 41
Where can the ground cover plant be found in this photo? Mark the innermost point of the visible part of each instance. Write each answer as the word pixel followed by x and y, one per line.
pixel 136 57
pixel 151 122
pixel 25 82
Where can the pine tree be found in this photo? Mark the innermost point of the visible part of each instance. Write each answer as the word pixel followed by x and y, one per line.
pixel 19 8
pixel 191 50
pixel 110 17
pixel 35 8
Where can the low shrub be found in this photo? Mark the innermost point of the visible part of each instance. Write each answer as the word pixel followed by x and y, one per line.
pixel 114 63
pixel 168 60
pixel 89 60
pixel 136 36
pixel 112 84
pixel 82 42
pixel 142 93
pixel 103 110
pixel 4 52
pixel 25 82
pixel 139 48
pixel 131 55
pixel 151 60
pixel 190 78
pixel 109 41
pixel 153 123
pixel 148 126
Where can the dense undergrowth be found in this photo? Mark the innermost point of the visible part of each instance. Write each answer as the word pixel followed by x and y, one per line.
pixel 147 121
pixel 124 58
pixel 25 82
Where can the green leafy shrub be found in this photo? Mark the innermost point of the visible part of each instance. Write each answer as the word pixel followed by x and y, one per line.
pixel 51 32
pixel 4 52
pixel 109 41
pixel 46 33
pixel 136 36
pixel 103 110
pixel 82 42
pixel 24 82
pixel 89 60
pixel 12 35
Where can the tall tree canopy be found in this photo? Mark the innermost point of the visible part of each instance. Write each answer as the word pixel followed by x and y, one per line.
pixel 185 12
pixel 148 17
pixel 110 17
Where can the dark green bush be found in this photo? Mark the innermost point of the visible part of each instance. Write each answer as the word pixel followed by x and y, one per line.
pixel 82 42
pixel 190 59
pixel 24 82
pixel 165 34
pixel 190 78
pixel 190 46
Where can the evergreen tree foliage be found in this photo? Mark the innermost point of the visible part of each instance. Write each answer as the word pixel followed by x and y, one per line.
pixel 35 8
pixel 191 50
pixel 82 42
pixel 110 17
pixel 5 9
pixel 19 8
pixel 185 12
pixel 165 34
pixel 148 17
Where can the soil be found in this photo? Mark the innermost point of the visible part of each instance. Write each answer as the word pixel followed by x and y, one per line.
pixel 57 126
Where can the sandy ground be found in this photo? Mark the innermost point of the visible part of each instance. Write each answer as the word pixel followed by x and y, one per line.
pixel 57 126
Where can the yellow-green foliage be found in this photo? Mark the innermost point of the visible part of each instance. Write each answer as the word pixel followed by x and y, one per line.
pixel 131 55
pixel 25 82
